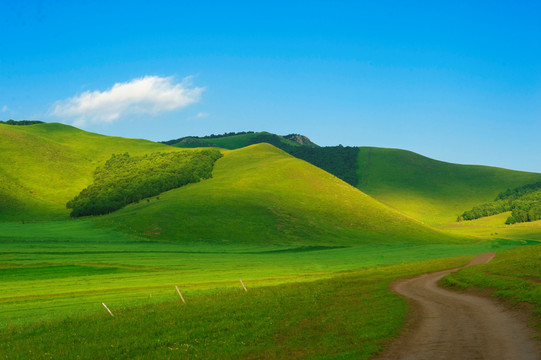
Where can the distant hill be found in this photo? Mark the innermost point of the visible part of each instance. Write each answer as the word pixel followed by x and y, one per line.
pixel 261 195
pixel 432 191
pixel 435 192
pixel 338 160
pixel 241 139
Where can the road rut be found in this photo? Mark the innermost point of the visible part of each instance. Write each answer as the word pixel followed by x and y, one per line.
pixel 453 325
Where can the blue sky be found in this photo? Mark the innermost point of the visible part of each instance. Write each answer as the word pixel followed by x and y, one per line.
pixel 456 81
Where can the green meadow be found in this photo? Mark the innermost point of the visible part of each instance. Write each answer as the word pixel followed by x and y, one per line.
pixel 350 315
pixel 55 269
pixel 316 254
pixel 301 301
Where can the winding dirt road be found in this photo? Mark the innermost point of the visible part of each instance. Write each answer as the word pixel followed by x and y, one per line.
pixel 452 325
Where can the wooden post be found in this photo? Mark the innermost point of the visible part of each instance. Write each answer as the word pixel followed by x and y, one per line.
pixel 105 306
pixel 243 285
pixel 179 294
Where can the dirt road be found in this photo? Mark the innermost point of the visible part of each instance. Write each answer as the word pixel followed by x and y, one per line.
pixel 452 325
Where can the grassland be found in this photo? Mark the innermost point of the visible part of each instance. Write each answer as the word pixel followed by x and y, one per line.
pixel 432 191
pixel 316 254
pixel 51 270
pixel 514 275
pixel 347 316
pixel 428 190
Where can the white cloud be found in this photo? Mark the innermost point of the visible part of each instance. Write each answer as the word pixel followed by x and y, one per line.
pixel 4 108
pixel 147 95
pixel 201 115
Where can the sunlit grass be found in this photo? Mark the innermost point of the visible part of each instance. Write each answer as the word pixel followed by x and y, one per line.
pixel 57 269
pixel 345 316
pixel 261 195
pixel 432 191
pixel 491 227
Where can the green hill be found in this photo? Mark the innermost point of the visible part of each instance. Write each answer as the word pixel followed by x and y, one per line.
pixel 44 166
pixel 258 194
pixel 432 191
pixel 239 140
pixel 262 195
pixel 338 160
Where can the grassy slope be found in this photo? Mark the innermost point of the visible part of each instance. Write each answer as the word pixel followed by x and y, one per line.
pixel 261 195
pixel 43 166
pixel 495 227
pixel 433 191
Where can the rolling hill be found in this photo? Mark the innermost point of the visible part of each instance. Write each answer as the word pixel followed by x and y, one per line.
pixel 43 166
pixel 432 191
pixel 262 195
pixel 238 140
pixel 338 160
pixel 429 190
pixel 258 194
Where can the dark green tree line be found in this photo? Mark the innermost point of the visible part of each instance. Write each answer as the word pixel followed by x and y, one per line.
pixel 123 179
pixel 524 202
pixel 21 122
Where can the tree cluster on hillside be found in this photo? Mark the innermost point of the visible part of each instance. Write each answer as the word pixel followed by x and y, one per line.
pixel 191 142
pixel 524 202
pixel 525 209
pixel 125 179
pixel 486 209
pixel 211 136
pixel 341 161
pixel 21 122
pixel 516 193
